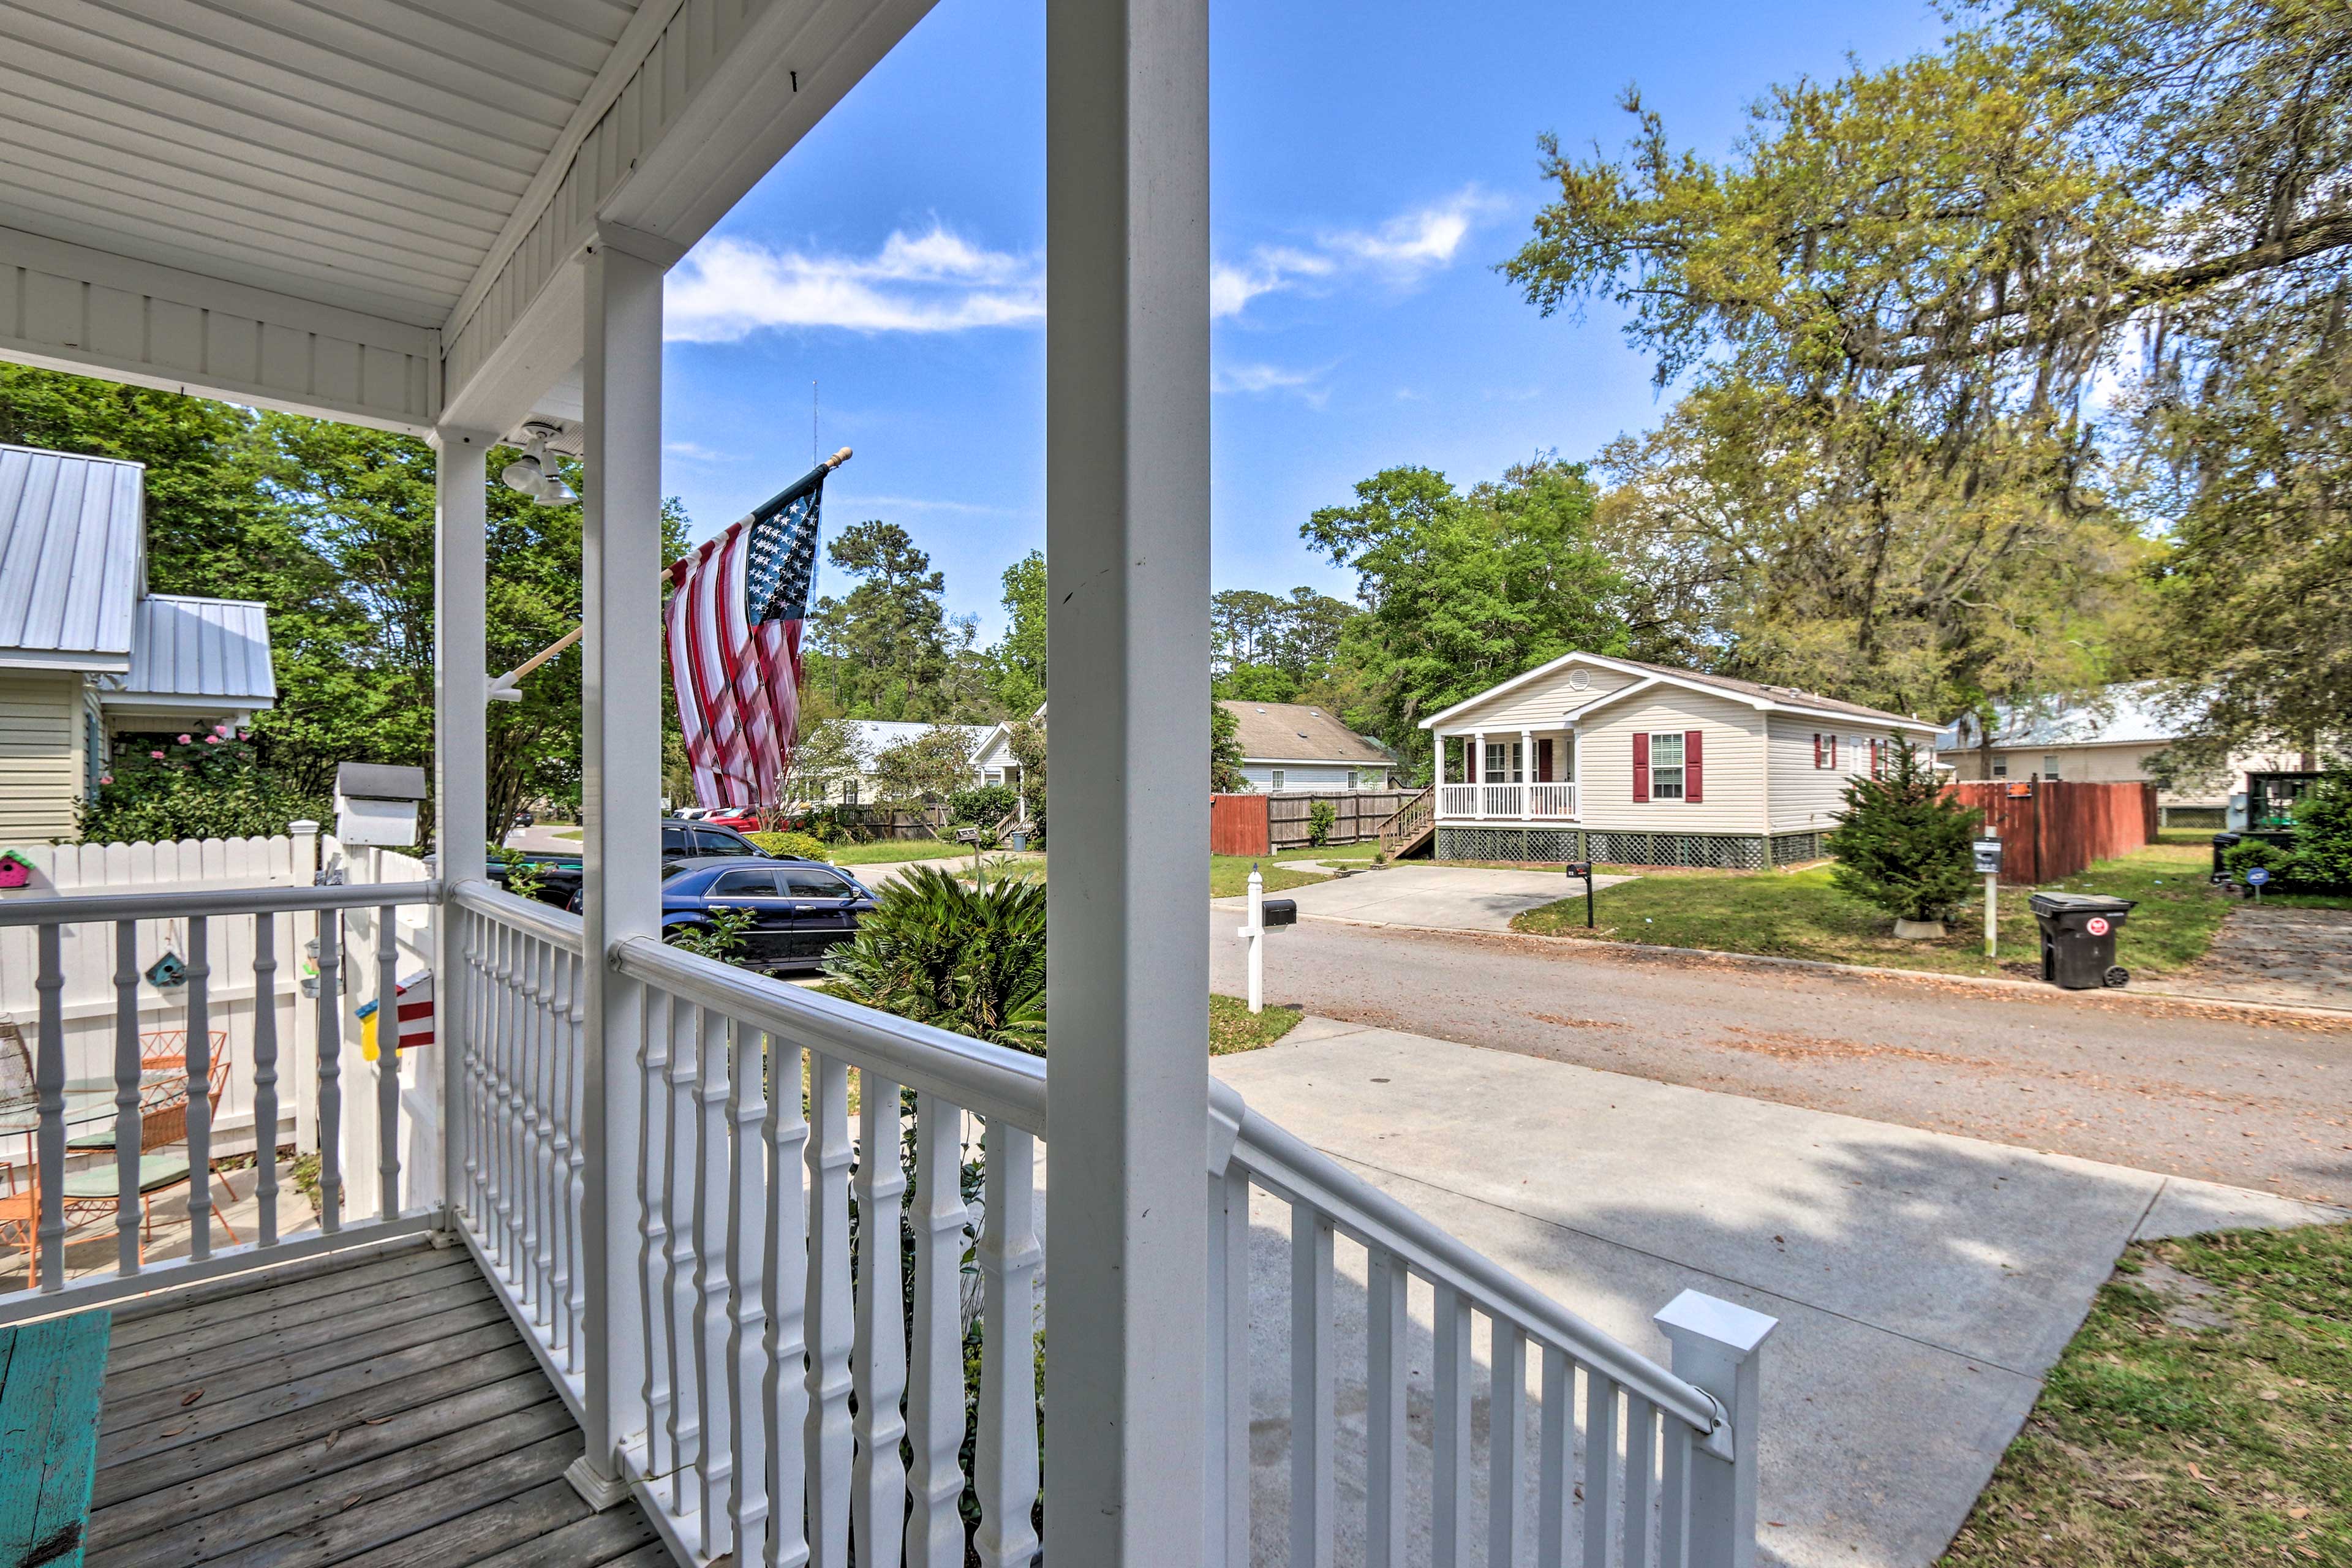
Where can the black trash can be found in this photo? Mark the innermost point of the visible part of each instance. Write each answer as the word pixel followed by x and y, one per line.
pixel 2222 844
pixel 2078 938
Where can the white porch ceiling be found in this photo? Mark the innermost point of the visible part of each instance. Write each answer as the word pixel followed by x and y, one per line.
pixel 368 209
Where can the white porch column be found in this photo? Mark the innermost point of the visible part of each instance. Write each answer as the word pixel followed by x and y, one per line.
pixel 620 803
pixel 1527 775
pixel 1478 801
pixel 460 753
pixel 1127 524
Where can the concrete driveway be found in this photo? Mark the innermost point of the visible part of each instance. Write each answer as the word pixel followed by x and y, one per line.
pixel 1432 898
pixel 1924 1283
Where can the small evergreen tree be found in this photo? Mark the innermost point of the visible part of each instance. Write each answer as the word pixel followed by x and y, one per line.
pixel 1225 777
pixel 2323 830
pixel 1904 842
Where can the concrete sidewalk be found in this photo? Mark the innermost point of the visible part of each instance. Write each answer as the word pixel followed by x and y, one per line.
pixel 1924 1283
pixel 1433 897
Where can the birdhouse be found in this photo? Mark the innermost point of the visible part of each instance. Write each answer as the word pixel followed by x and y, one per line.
pixel 377 804
pixel 15 871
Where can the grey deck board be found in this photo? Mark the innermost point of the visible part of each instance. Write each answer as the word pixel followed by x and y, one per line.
pixel 387 1414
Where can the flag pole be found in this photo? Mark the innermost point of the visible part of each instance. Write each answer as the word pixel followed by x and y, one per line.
pixel 507 688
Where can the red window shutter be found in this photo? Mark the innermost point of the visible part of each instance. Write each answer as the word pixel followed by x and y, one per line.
pixel 1543 762
pixel 1691 770
pixel 1817 748
pixel 1832 751
pixel 1640 767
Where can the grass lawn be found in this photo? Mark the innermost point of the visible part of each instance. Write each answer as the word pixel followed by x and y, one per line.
pixel 2203 1416
pixel 887 851
pixel 1334 853
pixel 1231 1028
pixel 1797 914
pixel 1229 875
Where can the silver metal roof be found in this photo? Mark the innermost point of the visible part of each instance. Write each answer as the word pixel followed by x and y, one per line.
pixel 216 650
pixel 71 558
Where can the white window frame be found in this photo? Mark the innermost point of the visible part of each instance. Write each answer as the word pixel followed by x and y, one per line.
pixel 2050 766
pixel 1355 779
pixel 1679 767
pixel 1274 782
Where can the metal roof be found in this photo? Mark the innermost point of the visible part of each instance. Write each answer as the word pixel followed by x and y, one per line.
pixel 2130 714
pixel 875 736
pixel 215 649
pixel 71 558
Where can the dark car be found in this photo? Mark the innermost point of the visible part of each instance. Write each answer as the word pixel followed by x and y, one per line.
pixel 798 908
pixel 683 845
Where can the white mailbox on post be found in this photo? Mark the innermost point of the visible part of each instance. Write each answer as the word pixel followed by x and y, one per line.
pixel 377 804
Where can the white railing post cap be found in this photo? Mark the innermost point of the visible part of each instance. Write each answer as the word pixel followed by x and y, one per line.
pixel 304 827
pixel 1695 1321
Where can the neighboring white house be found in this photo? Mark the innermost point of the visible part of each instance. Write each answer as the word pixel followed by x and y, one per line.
pixel 87 654
pixel 1292 747
pixel 1595 758
pixel 995 762
pixel 2104 739
pixel 871 737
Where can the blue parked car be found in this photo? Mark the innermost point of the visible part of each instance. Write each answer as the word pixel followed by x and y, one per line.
pixel 800 908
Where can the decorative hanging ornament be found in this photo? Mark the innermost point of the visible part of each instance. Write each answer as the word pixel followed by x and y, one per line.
pixel 167 972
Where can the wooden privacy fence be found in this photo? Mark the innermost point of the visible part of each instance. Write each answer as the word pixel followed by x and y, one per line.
pixel 2061 827
pixel 1262 824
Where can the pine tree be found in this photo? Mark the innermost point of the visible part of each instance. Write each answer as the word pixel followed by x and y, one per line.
pixel 1903 843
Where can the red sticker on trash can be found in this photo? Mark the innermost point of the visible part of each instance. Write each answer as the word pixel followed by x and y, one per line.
pixel 2096 925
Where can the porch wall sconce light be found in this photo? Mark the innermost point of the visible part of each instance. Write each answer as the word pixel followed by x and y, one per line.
pixel 533 474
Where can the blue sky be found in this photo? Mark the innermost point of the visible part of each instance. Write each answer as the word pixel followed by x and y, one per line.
pixel 1371 164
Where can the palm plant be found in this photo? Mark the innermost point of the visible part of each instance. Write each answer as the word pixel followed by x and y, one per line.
pixel 939 952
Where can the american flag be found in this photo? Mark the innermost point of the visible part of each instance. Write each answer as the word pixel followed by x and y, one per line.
pixel 734 621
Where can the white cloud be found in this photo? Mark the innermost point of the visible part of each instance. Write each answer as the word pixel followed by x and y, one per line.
pixel 863 504
pixel 694 450
pixel 1399 252
pixel 1259 379
pixel 932 282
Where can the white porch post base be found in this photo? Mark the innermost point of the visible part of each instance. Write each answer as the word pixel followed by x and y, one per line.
pixel 1715 1346
pixel 1126 395
pixel 598 1490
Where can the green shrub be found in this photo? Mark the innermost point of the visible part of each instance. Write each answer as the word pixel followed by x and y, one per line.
pixel 719 937
pixel 199 786
pixel 2323 831
pixel 939 950
pixel 805 844
pixel 1320 817
pixel 2248 853
pixel 984 807
pixel 1902 844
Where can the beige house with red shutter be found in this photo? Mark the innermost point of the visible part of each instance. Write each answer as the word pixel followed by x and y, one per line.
pixel 1597 758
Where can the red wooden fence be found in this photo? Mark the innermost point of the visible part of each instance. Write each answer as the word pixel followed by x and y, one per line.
pixel 2060 828
pixel 1238 824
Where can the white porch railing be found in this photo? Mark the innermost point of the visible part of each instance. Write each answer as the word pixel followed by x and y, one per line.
pixel 777 1389
pixel 1551 801
pixel 1507 801
pixel 62 1129
pixel 810 1272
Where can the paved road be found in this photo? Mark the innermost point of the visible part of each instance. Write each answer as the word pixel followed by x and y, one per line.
pixel 2181 1089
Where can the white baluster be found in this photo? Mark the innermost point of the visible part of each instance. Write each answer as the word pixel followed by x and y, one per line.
pixel 1004 1461
pixel 530 1053
pixel 1449 1528
pixel 1313 1470
pixel 935 1391
pixel 746 1203
pixel 331 1067
pixel 1552 1461
pixel 199 1021
pixel 653 1225
pixel 497 1205
pixel 563 1222
pixel 49 1083
pixel 712 1290
pixel 471 1025
pixel 1385 1428
pixel 264 1081
pixel 127 1093
pixel 1641 1461
pixel 387 1063
pixel 830 1330
pixel 680 1177
pixel 576 1161
pixel 783 1389
pixel 878 1355
pixel 1228 1522
pixel 1600 1464
pixel 1506 1408
pixel 1674 1494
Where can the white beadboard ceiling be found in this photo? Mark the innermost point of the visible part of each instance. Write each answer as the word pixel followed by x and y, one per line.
pixel 361 154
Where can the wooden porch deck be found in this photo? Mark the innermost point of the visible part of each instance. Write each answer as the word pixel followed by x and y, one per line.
pixel 373 1408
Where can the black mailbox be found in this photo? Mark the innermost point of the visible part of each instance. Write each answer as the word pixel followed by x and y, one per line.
pixel 1580 868
pixel 1280 912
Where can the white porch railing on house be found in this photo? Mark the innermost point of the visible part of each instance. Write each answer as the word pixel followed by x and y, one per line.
pixel 64 1117
pixel 799 1393
pixel 1507 801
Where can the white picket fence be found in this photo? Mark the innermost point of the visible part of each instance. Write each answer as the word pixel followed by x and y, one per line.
pixel 203 865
